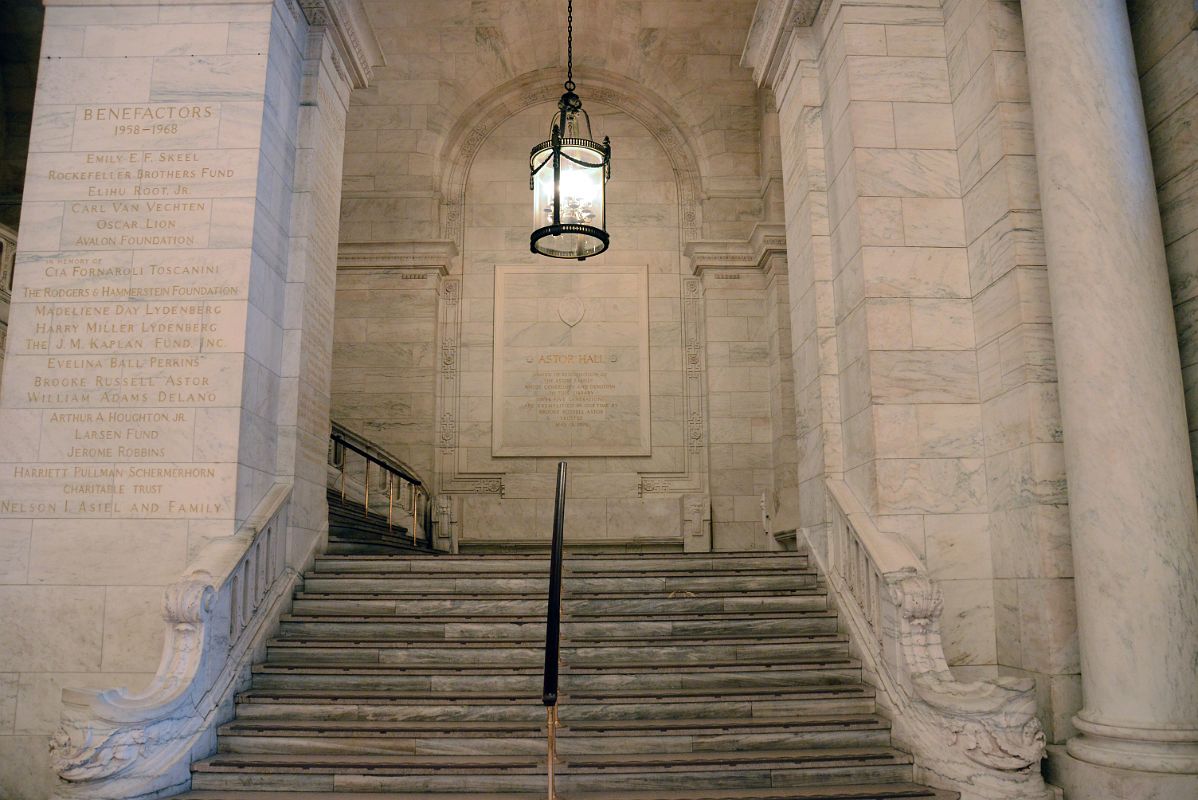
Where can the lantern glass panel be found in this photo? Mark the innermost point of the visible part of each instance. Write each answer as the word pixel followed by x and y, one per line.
pixel 581 187
pixel 542 197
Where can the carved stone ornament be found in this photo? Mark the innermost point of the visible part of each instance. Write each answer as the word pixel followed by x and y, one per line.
pixel 571 310
pixel 352 36
pixel 117 745
pixel 979 738
pixel 991 725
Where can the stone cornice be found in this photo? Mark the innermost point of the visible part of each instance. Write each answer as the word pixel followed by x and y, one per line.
pixel 772 20
pixel 351 34
pixel 430 254
pixel 758 252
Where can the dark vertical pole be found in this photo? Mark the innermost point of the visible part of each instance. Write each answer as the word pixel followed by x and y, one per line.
pixel 553 618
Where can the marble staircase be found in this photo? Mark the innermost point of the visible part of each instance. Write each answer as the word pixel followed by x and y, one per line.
pixel 352 531
pixel 685 677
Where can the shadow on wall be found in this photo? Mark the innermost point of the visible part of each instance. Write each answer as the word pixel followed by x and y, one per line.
pixel 21 22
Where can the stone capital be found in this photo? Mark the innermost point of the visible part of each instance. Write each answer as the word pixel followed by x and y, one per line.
pixel 765 47
pixel 351 33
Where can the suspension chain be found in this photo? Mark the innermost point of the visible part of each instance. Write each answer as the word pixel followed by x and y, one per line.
pixel 569 45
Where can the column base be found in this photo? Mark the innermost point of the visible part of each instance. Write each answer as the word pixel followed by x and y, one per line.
pixel 1082 780
pixel 1134 748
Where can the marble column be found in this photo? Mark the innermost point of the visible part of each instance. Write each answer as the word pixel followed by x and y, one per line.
pixel 1131 488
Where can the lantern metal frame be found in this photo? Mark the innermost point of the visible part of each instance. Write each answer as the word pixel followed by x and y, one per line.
pixel 564 134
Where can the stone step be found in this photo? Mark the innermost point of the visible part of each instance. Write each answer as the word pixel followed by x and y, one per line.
pixel 454 677
pixel 693 562
pixel 402 654
pixel 532 627
pixel 745 601
pixel 430 565
pixel 576 587
pixel 578 737
pixel 577 706
pixel 574 566
pixel 619 628
pixel 515 772
pixel 475 568
pixel 857 791
pixel 525 653
pixel 533 604
pixel 436 607
pixel 347 547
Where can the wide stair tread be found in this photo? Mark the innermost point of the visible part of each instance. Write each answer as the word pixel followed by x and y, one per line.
pixel 889 791
pixel 574 697
pixel 695 724
pixel 314 763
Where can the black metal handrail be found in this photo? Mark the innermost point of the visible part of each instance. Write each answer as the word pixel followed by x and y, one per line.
pixel 553 619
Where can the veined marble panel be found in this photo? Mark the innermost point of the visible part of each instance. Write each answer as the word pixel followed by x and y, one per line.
pixel 571 374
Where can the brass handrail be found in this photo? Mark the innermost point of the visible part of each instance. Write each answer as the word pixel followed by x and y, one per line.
pixel 392 471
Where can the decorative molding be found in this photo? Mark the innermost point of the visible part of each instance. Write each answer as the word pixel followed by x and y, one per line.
pixel 759 252
pixel 466 484
pixel 117 745
pixel 449 479
pixel 447 514
pixel 772 21
pixel 696 523
pixel 431 254
pixel 981 739
pixel 354 42
pixel 450 325
pixel 695 452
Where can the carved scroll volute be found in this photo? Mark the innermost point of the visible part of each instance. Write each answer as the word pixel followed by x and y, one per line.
pixel 96 739
pixel 920 603
pixel 188 601
pixel 992 723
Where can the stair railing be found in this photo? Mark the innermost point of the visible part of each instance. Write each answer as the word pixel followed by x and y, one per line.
pixel 396 486
pixel 118 744
pixel 982 738
pixel 553 620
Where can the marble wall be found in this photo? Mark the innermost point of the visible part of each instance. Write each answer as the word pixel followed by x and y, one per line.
pixel 740 385
pixel 385 359
pixel 447 56
pixel 906 356
pixel 643 213
pixel 922 355
pixel 696 158
pixel 1166 42
pixel 170 331
pixel 1028 522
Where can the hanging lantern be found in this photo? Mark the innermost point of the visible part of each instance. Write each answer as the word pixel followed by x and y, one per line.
pixel 569 173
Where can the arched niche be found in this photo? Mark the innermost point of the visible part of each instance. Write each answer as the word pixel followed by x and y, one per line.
pixel 595 86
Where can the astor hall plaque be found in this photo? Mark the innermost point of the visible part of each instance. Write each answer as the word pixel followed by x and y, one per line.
pixel 571 374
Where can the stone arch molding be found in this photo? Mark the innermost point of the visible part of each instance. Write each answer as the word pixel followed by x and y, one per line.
pixel 467 136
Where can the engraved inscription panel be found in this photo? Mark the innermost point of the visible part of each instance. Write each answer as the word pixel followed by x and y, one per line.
pixel 129 316
pixel 571 362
